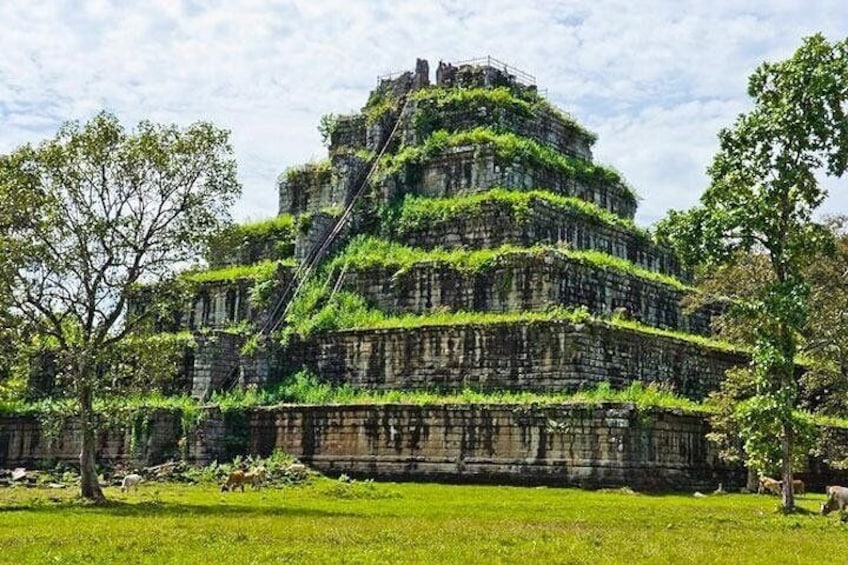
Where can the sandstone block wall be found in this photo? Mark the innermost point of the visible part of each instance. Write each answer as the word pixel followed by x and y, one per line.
pixel 220 304
pixel 320 227
pixel 349 131
pixel 24 442
pixel 587 446
pixel 216 363
pixel 220 364
pixel 307 190
pixel 542 126
pixel 534 356
pixel 521 282
pixel 494 224
pixel 464 170
pixel 213 305
pixel 579 445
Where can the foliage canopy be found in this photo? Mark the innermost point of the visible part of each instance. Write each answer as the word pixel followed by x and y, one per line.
pixel 94 212
pixel 763 194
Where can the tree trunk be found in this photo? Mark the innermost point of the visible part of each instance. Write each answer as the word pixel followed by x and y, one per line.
pixel 89 485
pixel 752 482
pixel 786 453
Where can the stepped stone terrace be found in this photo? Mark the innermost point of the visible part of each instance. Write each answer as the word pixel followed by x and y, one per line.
pixel 458 237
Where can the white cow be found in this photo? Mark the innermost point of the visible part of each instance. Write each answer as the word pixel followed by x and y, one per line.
pixel 837 497
pixel 130 481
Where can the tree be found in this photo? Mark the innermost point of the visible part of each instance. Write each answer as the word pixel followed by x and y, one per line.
pixel 762 197
pixel 98 210
pixel 826 337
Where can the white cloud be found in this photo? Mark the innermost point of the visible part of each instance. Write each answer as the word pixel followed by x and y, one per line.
pixel 655 79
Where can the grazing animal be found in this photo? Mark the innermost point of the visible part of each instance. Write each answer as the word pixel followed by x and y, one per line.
pixel 130 481
pixel 235 480
pixel 798 486
pixel 257 477
pixel 767 484
pixel 837 498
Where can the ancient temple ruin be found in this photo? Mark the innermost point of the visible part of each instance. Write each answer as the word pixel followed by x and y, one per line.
pixel 458 237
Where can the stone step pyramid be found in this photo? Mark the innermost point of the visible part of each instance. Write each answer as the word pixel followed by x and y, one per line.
pixel 485 250
pixel 485 216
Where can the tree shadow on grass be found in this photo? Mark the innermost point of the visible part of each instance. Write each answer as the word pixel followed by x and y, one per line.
pixel 155 508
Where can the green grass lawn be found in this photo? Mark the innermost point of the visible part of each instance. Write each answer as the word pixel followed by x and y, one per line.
pixel 331 522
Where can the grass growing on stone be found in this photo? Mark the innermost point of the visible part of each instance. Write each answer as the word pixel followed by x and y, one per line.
pixel 258 271
pixel 419 212
pixel 304 388
pixel 508 147
pixel 432 102
pixel 328 521
pixel 313 313
pixel 317 310
pixel 282 224
pixel 274 236
pixel 317 171
pixel 369 252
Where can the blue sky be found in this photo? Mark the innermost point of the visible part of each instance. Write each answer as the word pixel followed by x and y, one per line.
pixel 655 79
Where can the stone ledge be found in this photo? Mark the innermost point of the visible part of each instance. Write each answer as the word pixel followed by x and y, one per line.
pixel 471 169
pixel 537 356
pixel 495 223
pixel 530 280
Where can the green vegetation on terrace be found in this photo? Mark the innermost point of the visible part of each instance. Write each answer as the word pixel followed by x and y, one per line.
pixel 178 339
pixel 381 101
pixel 315 310
pixel 304 388
pixel 282 224
pixel 332 521
pixel 247 243
pixel 128 404
pixel 367 252
pixel 314 170
pixel 508 147
pixel 258 271
pixel 419 212
pixel 433 103
pixel 557 314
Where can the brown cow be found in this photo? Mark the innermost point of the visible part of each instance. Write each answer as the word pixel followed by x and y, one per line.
pixel 798 486
pixel 775 487
pixel 256 477
pixel 837 497
pixel 767 484
pixel 235 480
